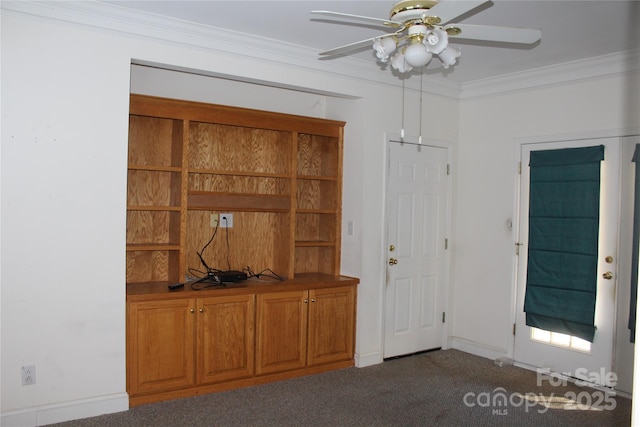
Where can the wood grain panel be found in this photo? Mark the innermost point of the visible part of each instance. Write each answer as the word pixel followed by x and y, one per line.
pixel 151 141
pixel 331 325
pixel 144 227
pixel 211 113
pixel 259 240
pixel 315 259
pixel 244 202
pixel 314 194
pixel 281 340
pixel 152 188
pixel 239 184
pixel 226 333
pixel 161 345
pixel 152 266
pixel 315 227
pixel 317 155
pixel 235 148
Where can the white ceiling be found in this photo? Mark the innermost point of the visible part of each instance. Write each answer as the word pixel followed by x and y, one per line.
pixel 571 30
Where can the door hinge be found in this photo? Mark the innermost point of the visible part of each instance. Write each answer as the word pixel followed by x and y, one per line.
pixel 518 244
pixel 519 168
pixel 446 244
pixel 448 169
pixel 443 316
pixel 514 329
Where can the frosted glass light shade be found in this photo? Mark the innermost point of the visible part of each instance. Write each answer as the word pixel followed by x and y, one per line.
pixel 449 56
pixel 398 62
pixel 436 40
pixel 416 55
pixel 384 47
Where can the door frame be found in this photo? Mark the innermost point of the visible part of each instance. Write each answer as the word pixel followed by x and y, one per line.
pixel 395 138
pixel 518 143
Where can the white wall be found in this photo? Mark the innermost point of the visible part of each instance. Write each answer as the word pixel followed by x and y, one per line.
pixel 65 92
pixel 490 128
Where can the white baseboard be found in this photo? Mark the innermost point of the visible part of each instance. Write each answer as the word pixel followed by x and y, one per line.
pixel 368 359
pixel 476 348
pixel 67 411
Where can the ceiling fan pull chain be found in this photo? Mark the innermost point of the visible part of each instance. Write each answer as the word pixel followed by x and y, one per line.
pixel 421 78
pixel 402 112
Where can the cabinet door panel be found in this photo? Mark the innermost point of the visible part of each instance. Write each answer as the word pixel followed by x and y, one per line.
pixel 281 331
pixel 331 325
pixel 225 338
pixel 161 345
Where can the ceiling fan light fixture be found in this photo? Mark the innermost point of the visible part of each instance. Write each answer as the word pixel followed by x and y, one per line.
pixel 416 55
pixel 436 40
pixel 424 28
pixel 384 46
pixel 399 63
pixel 449 56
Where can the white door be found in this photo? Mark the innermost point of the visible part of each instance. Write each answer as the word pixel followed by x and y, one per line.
pixel 416 263
pixel 558 352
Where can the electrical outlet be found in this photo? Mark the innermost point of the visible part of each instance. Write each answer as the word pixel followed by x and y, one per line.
pixel 214 220
pixel 226 220
pixel 29 375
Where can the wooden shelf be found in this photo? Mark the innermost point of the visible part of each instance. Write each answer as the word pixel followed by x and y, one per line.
pixel 155 168
pixel 313 243
pixel 239 173
pixel 238 202
pixel 317 177
pixel 154 208
pixel 316 211
pixel 281 176
pixel 152 247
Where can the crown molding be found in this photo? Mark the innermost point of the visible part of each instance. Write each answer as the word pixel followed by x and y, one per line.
pixel 602 66
pixel 120 19
pixel 105 16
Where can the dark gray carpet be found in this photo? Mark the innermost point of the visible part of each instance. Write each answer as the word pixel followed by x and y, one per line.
pixel 427 389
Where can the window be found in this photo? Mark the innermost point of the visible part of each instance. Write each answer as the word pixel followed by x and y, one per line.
pixel 560 340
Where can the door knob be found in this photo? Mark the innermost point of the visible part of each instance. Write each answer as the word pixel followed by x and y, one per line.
pixel 393 261
pixel 608 275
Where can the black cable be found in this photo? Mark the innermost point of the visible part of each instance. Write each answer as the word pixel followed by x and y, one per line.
pixel 271 274
pixel 209 276
pixel 226 222
pixel 215 231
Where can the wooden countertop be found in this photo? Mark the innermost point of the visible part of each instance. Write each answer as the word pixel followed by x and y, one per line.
pixel 153 291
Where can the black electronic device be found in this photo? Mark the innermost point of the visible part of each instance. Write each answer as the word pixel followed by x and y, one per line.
pixel 230 276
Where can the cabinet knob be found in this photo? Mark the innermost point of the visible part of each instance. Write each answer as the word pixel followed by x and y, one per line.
pixel 192 310
pixel 202 310
pixel 313 300
pixel 306 301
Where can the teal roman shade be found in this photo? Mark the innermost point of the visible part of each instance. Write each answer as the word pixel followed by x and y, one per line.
pixel 564 214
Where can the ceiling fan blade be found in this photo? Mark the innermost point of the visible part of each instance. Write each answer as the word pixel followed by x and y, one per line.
pixel 384 22
pixel 496 34
pixel 348 47
pixel 451 9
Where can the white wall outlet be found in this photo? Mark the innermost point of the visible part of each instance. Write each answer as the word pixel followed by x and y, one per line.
pixel 214 220
pixel 226 220
pixel 29 375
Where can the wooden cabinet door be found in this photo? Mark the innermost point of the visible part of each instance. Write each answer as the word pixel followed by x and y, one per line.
pixel 331 325
pixel 225 338
pixel 281 340
pixel 160 345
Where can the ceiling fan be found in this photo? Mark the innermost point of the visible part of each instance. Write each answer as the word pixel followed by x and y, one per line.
pixel 423 29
